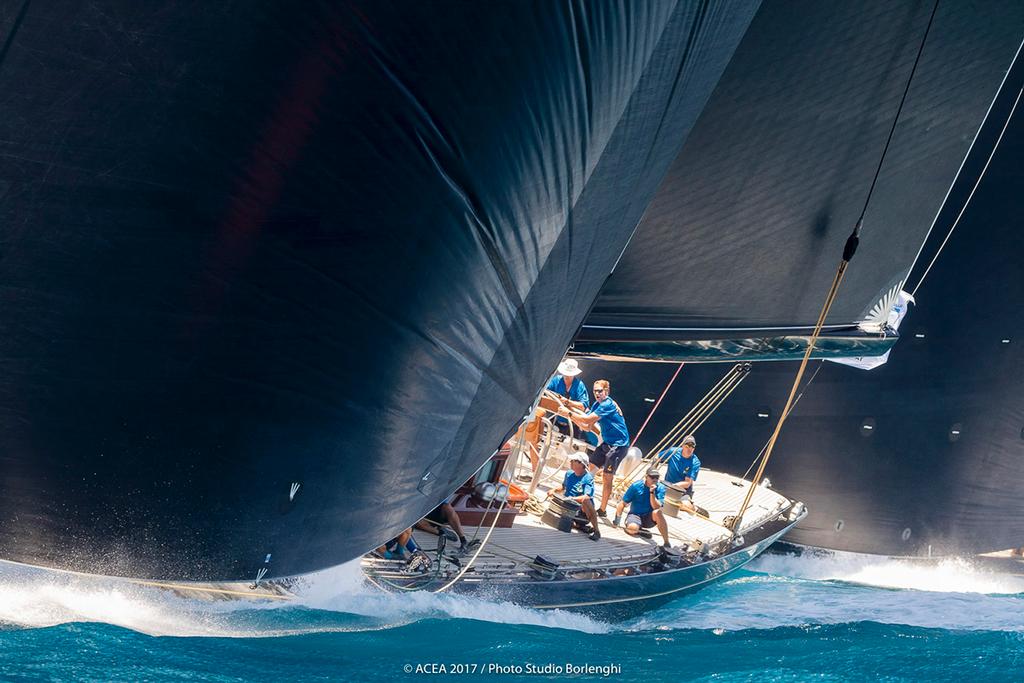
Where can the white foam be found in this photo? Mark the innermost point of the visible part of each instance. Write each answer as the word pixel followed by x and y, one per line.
pixel 806 591
pixel 955 575
pixel 344 589
pixel 34 599
pixel 336 599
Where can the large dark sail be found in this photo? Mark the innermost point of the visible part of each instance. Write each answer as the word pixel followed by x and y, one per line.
pixel 277 277
pixel 743 237
pixel 925 454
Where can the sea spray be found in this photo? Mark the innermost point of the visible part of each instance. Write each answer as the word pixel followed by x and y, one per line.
pixel 951 575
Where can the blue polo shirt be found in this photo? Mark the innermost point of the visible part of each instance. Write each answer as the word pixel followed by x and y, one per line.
pixel 613 425
pixel 640 500
pixel 679 468
pixel 578 486
pixel 577 392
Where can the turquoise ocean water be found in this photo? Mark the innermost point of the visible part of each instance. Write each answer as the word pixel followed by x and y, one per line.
pixel 839 618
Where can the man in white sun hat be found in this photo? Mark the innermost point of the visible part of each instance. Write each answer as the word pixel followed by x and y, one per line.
pixel 566 383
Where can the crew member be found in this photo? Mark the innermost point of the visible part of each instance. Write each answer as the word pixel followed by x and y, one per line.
pixel 436 520
pixel 615 436
pixel 396 548
pixel 645 499
pixel 578 485
pixel 683 468
pixel 573 390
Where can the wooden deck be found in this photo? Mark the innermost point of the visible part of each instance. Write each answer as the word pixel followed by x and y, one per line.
pixel 510 550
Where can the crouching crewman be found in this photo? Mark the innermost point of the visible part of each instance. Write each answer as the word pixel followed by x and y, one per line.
pixel 645 499
pixel 578 485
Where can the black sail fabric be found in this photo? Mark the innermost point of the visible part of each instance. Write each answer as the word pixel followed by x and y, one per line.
pixel 277 277
pixel 923 455
pixel 747 229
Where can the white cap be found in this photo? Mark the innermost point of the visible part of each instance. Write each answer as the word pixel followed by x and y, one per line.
pixel 580 456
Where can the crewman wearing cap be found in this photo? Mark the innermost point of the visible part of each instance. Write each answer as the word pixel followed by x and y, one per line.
pixel 605 415
pixel 645 499
pixel 578 485
pixel 566 383
pixel 683 468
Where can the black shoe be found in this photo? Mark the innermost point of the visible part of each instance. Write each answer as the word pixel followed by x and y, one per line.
pixel 666 546
pixel 643 533
pixel 602 513
pixel 595 535
pixel 466 546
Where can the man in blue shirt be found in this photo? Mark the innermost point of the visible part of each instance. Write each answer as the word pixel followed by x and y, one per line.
pixel 645 499
pixel 683 468
pixel 578 485
pixel 568 385
pixel 614 434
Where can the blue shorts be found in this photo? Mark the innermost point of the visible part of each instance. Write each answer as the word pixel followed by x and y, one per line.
pixel 608 457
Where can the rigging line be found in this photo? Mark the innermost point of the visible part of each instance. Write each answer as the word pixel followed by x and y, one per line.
pixel 848 251
pixel 472 561
pixel 707 405
pixel 708 414
pixel 658 403
pixel 896 119
pixel 963 162
pixel 653 460
pixel 676 431
pixel 963 209
pixel 709 408
pixel 795 402
pixel 497 513
pixel 709 396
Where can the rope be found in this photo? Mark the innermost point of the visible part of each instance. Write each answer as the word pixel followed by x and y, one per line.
pixel 848 251
pixel 971 195
pixel 658 403
pixel 497 515
pixel 851 247
pixel 688 425
pixel 691 421
pixel 699 408
pixel 799 396
pixel 963 162
pixel 896 119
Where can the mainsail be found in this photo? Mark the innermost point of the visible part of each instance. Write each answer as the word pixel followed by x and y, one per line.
pixel 278 276
pixel 925 454
pixel 744 235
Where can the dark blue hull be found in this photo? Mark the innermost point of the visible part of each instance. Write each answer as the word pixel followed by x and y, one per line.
pixel 619 597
